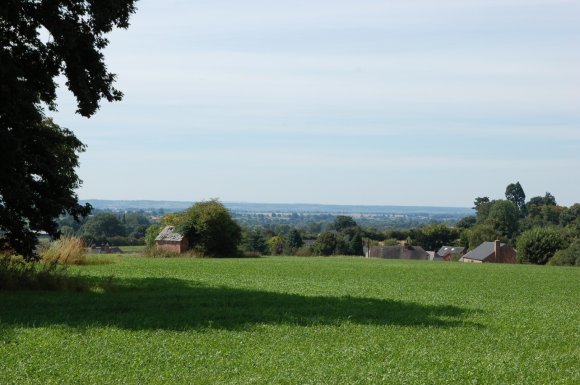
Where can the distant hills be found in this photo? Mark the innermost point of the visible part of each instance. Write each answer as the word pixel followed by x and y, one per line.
pixel 147 205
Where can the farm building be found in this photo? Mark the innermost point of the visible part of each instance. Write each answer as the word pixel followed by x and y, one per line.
pixel 494 252
pixel 445 253
pixel 172 241
pixel 397 252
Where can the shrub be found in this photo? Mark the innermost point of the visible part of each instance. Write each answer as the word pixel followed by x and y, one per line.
pixel 539 244
pixel 482 233
pixel 210 229
pixel 325 244
pixel 18 274
pixel 391 242
pixel 66 250
pixel 567 257
pixel 303 251
pixel 276 245
pixel 152 233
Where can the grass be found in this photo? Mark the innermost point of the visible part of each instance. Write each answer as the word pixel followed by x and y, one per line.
pixel 133 249
pixel 66 251
pixel 297 321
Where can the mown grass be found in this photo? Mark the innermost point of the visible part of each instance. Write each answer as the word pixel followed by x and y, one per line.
pixel 298 321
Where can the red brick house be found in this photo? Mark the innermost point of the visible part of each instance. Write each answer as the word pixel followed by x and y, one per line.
pixel 172 241
pixel 494 252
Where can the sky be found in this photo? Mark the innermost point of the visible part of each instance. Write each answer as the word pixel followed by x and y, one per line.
pixel 392 102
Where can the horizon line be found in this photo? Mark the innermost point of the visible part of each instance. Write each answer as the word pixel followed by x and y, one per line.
pixel 274 203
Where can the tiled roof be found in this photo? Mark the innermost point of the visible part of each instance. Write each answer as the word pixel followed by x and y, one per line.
pixel 167 234
pixel 482 252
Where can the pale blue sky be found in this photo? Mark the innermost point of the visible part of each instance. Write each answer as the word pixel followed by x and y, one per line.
pixel 409 102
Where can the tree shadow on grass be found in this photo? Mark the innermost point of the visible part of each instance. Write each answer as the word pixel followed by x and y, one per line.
pixel 172 304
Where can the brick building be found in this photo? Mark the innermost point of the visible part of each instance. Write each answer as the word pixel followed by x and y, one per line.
pixel 169 240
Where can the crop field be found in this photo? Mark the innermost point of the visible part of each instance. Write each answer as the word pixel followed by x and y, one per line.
pixel 292 320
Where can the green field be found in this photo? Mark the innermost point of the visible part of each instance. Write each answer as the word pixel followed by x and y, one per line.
pixel 297 321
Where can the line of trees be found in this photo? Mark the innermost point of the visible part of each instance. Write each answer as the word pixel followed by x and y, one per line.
pixel 539 228
pixel 115 229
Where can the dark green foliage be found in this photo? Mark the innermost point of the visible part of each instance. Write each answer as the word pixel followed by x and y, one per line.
pixel 391 242
pixel 37 181
pixel 325 243
pixel 210 229
pixel 102 226
pixel 504 216
pixel 400 235
pixel 540 244
pixel 481 206
pixel 481 233
pixel 343 223
pixel 433 237
pixel 466 223
pixel 515 194
pixel 253 241
pixel 124 229
pixel 356 245
pixel 345 238
pixel 293 241
pixel 38 158
pixel 570 216
pixel 543 211
pixel 135 224
pixel 152 233
pixel 567 257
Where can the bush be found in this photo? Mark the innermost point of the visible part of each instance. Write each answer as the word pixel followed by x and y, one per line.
pixel 539 244
pixel 66 250
pixel 275 245
pixel 17 274
pixel 325 244
pixel 391 242
pixel 567 257
pixel 303 251
pixel 210 229
pixel 152 233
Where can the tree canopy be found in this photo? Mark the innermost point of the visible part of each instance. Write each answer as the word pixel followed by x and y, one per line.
pixel 210 229
pixel 39 41
pixel 515 194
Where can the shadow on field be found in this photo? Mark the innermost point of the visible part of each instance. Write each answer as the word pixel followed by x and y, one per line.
pixel 171 304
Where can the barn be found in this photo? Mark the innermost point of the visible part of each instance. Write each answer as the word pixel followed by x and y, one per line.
pixel 172 241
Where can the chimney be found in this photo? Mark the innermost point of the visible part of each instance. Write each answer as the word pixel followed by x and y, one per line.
pixel 497 250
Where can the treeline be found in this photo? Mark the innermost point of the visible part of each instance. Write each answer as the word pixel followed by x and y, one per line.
pixel 318 222
pixel 343 236
pixel 539 228
pixel 105 227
